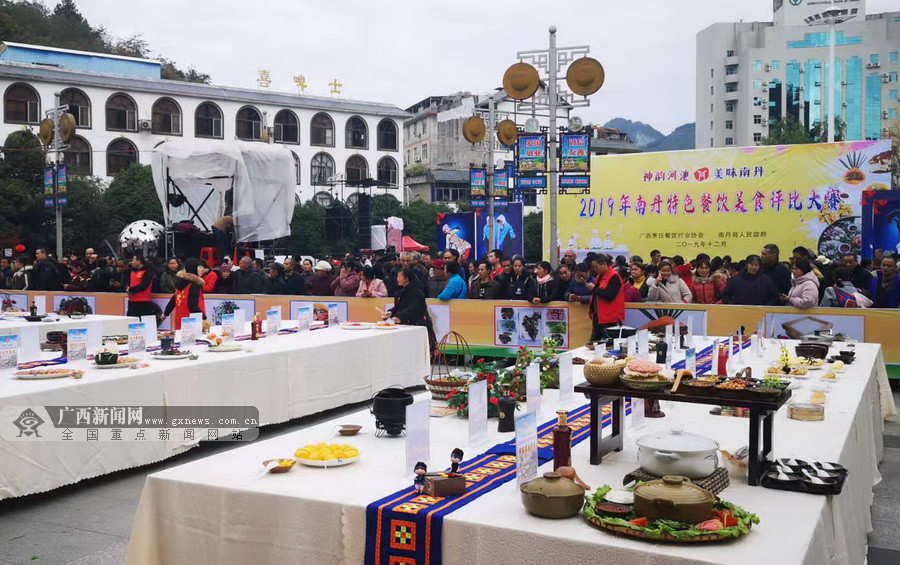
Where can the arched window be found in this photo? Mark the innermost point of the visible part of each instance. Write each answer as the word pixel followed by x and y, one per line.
pixel 21 105
pixel 121 113
pixel 78 157
pixel 321 130
pixel 357 168
pixel 387 135
pixel 249 124
pixel 208 121
pixel 387 170
pixel 357 133
pixel 297 178
pixel 120 154
pixel 79 106
pixel 323 199
pixel 166 117
pixel 322 168
pixel 287 128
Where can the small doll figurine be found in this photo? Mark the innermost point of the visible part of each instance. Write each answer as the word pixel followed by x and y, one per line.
pixel 420 470
pixel 456 457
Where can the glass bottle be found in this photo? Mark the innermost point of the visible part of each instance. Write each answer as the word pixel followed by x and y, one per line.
pixel 562 441
pixel 253 328
pixel 507 408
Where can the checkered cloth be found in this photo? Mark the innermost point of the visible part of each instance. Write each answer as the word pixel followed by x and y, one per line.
pixel 715 483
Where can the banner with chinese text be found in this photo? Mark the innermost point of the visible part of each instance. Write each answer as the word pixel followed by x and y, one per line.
pixel 724 201
pixel 531 154
pixel 575 153
pixel 478 188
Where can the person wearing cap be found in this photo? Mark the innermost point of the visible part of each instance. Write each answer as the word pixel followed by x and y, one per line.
pixel 437 278
pixel 320 285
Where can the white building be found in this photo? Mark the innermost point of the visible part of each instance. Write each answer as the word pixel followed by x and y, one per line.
pixel 752 74
pixel 123 110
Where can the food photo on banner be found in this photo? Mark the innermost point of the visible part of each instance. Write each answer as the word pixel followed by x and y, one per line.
pixel 718 201
pixel 638 318
pixel 507 231
pixel 531 154
pixel 880 222
pixel 456 231
pixel 13 302
pixel 794 326
pixel 478 188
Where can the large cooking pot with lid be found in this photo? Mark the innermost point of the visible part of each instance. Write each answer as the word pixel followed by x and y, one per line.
pixel 676 452
pixel 673 498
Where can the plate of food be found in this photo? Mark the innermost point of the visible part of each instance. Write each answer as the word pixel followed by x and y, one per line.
pixel 386 326
pixel 171 354
pixel 120 339
pixel 47 373
pixel 644 375
pixel 356 325
pixel 121 363
pixel 327 454
pixel 224 347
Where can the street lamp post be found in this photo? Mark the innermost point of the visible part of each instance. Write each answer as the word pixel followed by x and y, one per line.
pixel 831 17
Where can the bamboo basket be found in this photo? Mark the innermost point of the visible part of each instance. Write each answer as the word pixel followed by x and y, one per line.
pixel 439 383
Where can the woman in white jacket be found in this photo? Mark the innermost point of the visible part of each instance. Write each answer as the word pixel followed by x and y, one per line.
pixel 804 291
pixel 669 287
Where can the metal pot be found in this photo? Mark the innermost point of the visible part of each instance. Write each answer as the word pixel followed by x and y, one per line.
pixel 673 498
pixel 552 496
pixel 675 452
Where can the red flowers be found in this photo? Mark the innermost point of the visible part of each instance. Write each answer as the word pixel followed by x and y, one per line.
pixel 512 395
pixel 491 379
pixel 480 360
pixel 494 400
pixel 462 407
pixel 452 393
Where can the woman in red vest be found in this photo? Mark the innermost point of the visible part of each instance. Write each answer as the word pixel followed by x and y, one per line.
pixel 607 301
pixel 140 281
pixel 188 296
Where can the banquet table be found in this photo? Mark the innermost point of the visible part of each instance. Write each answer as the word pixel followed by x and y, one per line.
pixel 227 509
pixel 111 325
pixel 284 377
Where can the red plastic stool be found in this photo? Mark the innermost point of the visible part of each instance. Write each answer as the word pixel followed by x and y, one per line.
pixel 210 256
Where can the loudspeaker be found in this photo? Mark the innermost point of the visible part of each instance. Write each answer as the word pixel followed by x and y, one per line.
pixel 337 220
pixel 364 220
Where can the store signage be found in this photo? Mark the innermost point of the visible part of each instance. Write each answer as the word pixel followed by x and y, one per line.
pixel 574 181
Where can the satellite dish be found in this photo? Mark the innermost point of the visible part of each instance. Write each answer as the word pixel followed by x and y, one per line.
pixel 575 124
pixel 474 129
pixel 521 81
pixel 532 125
pixel 45 131
pixel 507 132
pixel 585 76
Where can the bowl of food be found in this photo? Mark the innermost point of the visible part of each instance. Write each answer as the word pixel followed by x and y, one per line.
pixel 279 465
pixel 698 387
pixel 734 388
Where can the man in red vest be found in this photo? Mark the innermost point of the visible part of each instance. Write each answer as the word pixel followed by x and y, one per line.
pixel 140 282
pixel 607 301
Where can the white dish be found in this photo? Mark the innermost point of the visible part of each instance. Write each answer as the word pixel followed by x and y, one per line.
pixel 356 325
pixel 387 327
pixel 329 463
pixel 25 376
pixel 119 365
pixel 225 347
pixel 170 357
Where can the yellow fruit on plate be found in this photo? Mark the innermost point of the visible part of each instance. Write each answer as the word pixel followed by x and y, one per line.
pixel 326 452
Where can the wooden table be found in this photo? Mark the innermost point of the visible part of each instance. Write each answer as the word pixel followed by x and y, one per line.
pixel 761 413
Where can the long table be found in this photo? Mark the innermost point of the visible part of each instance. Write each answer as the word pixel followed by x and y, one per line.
pixel 110 325
pixel 224 509
pixel 285 377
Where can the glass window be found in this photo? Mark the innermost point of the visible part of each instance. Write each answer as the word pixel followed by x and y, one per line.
pixel 298 180
pixel 357 133
pixel 776 65
pixel 873 58
pixel 729 107
pixel 757 65
pixel 873 106
pixel 424 127
pixel 892 57
pixel 729 141
pixel 893 76
pixel 729 124
pixel 821 39
pixel 78 157
pixel 79 106
pixel 892 94
pixel 757 119
pixel 21 105
pixel 321 130
pixel 120 154
pixel 166 117
pixel 729 53
pixel 892 113
pixel 712 73
pixel 321 169
pixel 357 168
pixel 249 124
pixel 287 128
pixel 757 83
pixel 731 87
pixel 854 99
pixel 757 137
pixel 424 151
pixel 208 121
pixel 387 135
pixel 387 170
pixel 121 113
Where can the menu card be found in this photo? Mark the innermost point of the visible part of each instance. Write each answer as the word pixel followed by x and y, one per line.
pixel 9 351
pixel 533 387
pixel 690 360
pixel 304 317
pixel 669 334
pixel 228 325
pixel 190 330
pixel 418 415
pixel 643 345
pixel 40 302
pixel 150 337
pixel 77 344
pixel 566 383
pixel 238 324
pixel 333 315
pixel 94 336
pixel 273 321
pixel 137 338
pixel 526 447
pixel 478 407
pixel 632 343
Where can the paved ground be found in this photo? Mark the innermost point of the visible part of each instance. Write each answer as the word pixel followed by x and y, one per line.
pixel 89 523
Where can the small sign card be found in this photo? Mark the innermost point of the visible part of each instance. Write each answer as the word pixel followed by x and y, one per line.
pixel 632 343
pixel 669 335
pixel 417 434
pixel 333 314
pixel 29 344
pixel 526 447
pixel 273 321
pixel 9 351
pixel 40 302
pixel 228 325
pixel 240 317
pixel 94 336
pixel 304 317
pixel 637 413
pixel 566 382
pixel 690 360
pixel 761 332
pixel 77 344
pixel 533 387
pixel 689 338
pixel 150 337
pixel 478 407
pixel 137 338
pixel 190 330
pixel 643 347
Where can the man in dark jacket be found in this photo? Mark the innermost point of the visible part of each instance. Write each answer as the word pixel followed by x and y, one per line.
pixel 46 271
pixel 409 304
pixel 273 282
pixel 484 288
pixel 885 286
pixel 6 272
pixel 294 283
pixel 118 282
pixel 100 277
pixel 246 279
pixel 751 286
pixel 859 277
pixel 779 274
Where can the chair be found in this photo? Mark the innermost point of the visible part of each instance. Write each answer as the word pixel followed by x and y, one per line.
pixel 210 256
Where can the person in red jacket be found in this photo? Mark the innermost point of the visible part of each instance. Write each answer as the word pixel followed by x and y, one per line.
pixel 607 301
pixel 707 287
pixel 140 281
pixel 682 270
pixel 188 296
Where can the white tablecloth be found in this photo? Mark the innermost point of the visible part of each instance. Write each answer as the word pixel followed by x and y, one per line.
pixel 111 325
pixel 223 510
pixel 285 377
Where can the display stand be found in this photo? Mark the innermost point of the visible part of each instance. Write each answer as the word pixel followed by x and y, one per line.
pixel 761 413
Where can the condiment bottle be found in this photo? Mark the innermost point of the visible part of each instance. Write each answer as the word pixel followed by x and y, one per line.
pixel 254 327
pixel 507 408
pixel 562 441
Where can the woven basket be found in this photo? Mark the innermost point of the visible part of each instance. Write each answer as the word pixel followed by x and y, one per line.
pixel 440 388
pixel 602 375
pixel 437 382
pixel 665 537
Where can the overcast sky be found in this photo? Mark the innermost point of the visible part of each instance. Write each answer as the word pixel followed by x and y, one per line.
pixel 400 51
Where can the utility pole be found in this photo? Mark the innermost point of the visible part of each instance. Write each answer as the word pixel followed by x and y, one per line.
pixel 489 173
pixel 58 153
pixel 552 67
